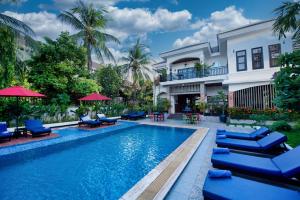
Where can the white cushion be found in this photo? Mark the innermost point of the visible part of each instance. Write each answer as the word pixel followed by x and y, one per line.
pixel 86 118
pixel 100 115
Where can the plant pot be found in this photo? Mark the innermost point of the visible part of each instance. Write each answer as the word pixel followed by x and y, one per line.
pixel 223 118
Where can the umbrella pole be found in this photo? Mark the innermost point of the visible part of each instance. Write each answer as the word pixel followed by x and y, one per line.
pixel 17 117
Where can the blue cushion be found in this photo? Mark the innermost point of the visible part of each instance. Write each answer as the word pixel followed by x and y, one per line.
pixel 271 140
pixel 104 119
pixel 289 162
pixel 246 163
pixel 3 127
pixel 220 150
pixel 216 173
pixel 236 143
pixel 221 136
pixel 40 130
pixel 244 189
pixel 32 123
pixel 258 133
pixel 5 134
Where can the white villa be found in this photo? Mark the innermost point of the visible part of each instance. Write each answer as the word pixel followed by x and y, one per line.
pixel 242 65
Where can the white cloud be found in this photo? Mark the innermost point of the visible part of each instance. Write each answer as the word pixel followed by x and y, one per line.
pixel 219 21
pixel 140 21
pixel 43 23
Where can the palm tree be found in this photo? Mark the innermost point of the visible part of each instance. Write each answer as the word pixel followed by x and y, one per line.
pixel 136 65
pixel 17 26
pixel 288 19
pixel 90 22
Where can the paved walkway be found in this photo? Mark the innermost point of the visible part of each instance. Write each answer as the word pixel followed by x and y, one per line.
pixel 190 183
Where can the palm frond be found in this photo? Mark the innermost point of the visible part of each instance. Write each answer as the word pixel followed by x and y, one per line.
pixel 16 25
pixel 70 18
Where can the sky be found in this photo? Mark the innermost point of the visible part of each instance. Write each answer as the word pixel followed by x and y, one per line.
pixel 162 25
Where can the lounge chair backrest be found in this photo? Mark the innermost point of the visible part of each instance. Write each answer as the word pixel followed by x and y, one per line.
pixel 289 162
pixel 261 131
pixel 100 116
pixel 33 123
pixel 141 113
pixel 85 118
pixel 3 126
pixel 275 138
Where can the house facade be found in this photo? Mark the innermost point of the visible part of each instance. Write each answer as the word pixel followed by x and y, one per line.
pixel 242 65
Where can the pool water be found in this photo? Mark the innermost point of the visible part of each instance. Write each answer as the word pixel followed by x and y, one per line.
pixel 98 167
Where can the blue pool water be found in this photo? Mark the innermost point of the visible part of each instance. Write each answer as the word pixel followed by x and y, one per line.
pixel 103 166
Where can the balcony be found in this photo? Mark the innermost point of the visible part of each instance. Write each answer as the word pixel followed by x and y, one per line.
pixel 189 73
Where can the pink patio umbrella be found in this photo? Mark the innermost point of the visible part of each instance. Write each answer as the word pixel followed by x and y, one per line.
pixel 19 91
pixel 94 97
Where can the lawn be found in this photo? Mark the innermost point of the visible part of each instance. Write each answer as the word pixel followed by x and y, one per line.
pixel 293 137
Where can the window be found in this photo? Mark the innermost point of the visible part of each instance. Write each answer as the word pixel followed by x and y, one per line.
pixel 241 60
pixel 274 52
pixel 257 58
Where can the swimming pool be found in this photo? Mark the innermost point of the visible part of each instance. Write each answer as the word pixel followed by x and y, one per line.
pixel 103 166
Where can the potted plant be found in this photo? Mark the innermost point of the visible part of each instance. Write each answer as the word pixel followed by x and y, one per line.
pixel 222 98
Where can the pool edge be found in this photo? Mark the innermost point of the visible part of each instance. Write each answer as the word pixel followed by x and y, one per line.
pixel 157 183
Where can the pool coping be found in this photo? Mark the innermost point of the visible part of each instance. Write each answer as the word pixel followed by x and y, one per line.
pixel 157 183
pixel 17 148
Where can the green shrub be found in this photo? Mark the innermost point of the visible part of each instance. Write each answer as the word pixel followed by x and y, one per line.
pixel 297 125
pixel 281 126
pixel 259 118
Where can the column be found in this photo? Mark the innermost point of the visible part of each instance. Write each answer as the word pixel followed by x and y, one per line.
pixel 202 92
pixel 230 100
pixel 172 108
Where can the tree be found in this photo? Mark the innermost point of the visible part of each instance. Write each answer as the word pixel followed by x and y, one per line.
pixel 288 19
pixel 90 23
pixel 109 80
pixel 287 82
pixel 136 65
pixel 7 56
pixel 59 67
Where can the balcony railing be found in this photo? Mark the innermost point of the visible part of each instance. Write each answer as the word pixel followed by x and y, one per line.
pixel 189 73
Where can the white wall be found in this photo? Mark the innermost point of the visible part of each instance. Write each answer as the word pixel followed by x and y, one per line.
pixel 263 39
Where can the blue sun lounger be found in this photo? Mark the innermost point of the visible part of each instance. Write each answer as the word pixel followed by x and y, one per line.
pixel 268 143
pixel 103 119
pixel 36 127
pixel 244 189
pixel 134 115
pixel 4 134
pixel 257 134
pixel 282 167
pixel 86 120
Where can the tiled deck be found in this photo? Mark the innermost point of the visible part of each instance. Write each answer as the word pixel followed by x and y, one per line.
pixel 190 183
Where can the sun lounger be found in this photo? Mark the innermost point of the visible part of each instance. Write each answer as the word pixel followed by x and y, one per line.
pixel 4 134
pixel 36 128
pixel 102 118
pixel 86 120
pixel 134 115
pixel 284 166
pixel 244 189
pixel 257 134
pixel 266 144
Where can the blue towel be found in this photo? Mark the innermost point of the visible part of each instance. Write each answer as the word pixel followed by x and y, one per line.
pixel 219 150
pixel 221 136
pixel 221 130
pixel 217 173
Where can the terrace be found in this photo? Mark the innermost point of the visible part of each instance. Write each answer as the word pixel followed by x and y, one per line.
pixel 190 73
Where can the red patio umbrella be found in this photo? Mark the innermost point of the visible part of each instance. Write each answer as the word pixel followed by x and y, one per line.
pixel 94 97
pixel 19 91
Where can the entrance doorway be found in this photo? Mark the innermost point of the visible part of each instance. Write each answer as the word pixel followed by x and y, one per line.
pixel 186 103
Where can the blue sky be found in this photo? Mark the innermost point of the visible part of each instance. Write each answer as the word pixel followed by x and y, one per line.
pixel 161 24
